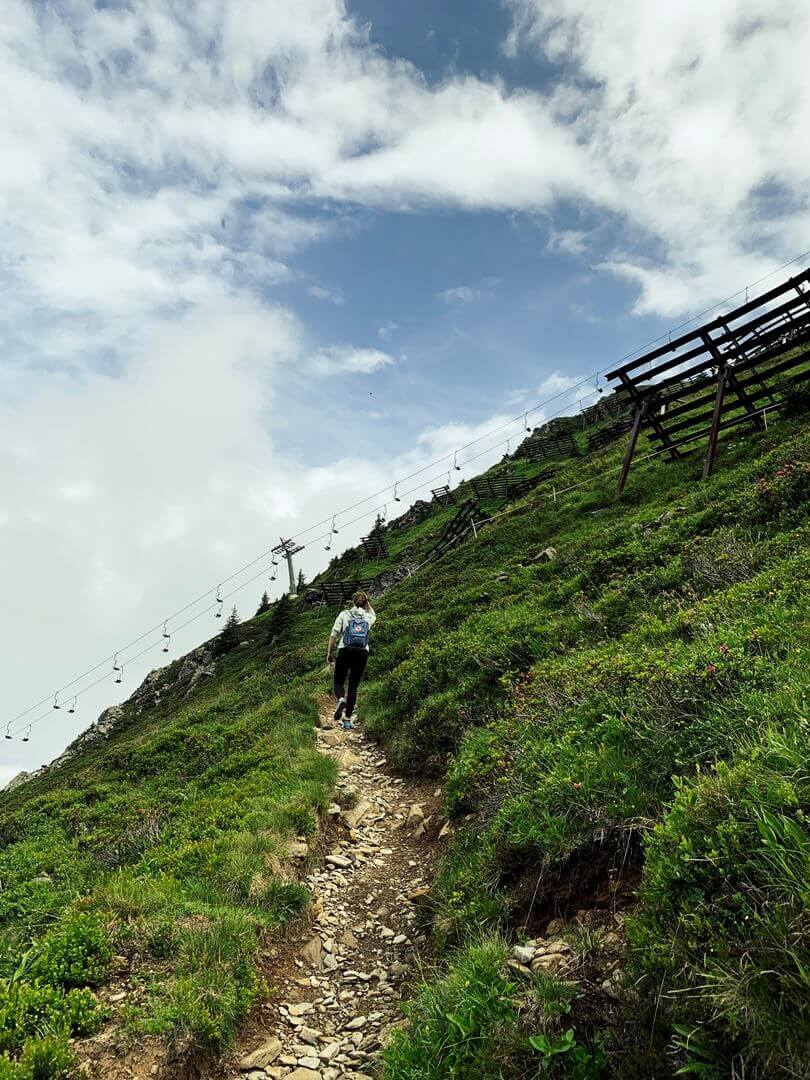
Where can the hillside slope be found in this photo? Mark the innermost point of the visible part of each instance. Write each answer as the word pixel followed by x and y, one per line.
pixel 622 726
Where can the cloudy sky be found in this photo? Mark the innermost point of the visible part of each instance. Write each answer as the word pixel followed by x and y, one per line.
pixel 262 258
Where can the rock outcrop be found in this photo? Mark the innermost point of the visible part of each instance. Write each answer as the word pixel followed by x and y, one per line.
pixel 17 780
pixel 199 664
pixel 420 510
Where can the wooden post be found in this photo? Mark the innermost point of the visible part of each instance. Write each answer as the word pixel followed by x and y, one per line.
pixel 722 380
pixel 631 447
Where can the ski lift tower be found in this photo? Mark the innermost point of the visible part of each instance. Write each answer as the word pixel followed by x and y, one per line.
pixel 288 548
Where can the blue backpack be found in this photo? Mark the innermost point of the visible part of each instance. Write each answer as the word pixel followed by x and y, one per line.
pixel 357 631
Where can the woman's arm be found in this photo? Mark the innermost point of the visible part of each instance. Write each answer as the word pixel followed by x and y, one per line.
pixel 330 650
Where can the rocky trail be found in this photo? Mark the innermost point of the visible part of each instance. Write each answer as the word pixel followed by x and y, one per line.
pixel 338 989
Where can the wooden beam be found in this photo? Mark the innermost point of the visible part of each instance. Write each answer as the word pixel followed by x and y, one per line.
pixel 731 316
pixel 631 447
pixel 711 450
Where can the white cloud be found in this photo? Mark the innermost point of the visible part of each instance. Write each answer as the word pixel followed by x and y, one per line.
pixel 695 116
pixel 471 294
pixel 464 294
pixel 320 292
pixel 555 383
pixel 348 360
pixel 557 395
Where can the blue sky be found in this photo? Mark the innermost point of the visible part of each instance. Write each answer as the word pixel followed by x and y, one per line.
pixel 256 268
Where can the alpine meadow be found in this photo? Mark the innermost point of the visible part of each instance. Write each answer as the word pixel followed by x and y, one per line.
pixel 611 695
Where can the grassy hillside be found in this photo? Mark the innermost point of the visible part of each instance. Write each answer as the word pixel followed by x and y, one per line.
pixel 623 730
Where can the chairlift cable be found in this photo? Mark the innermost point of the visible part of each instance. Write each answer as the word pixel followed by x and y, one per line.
pixel 524 416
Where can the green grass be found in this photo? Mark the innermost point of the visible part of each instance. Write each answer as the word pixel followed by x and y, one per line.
pixel 473 1020
pixel 167 848
pixel 570 702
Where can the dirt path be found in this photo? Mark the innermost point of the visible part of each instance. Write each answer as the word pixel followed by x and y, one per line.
pixel 338 989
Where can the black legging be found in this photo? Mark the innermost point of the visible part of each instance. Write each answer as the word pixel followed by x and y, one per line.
pixel 351 662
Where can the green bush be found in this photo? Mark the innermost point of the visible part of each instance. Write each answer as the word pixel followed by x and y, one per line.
pixel 462 1025
pixel 29 1009
pixel 76 953
pixel 724 903
pixel 46 1059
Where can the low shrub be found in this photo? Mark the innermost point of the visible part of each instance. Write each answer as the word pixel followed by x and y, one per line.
pixel 724 903
pixel 46 1058
pixel 462 1024
pixel 30 1009
pixel 76 953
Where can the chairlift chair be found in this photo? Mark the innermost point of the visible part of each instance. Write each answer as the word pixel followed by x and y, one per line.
pixel 27 734
pixel 56 704
pixel 72 708
pixel 456 465
pixel 8 731
pixel 396 497
pixel 220 601
pixel 120 677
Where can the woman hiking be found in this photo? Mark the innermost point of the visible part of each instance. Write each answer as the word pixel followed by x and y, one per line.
pixel 350 633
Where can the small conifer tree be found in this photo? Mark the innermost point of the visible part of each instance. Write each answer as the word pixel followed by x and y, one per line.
pixel 302 581
pixel 229 636
pixel 280 618
pixel 264 604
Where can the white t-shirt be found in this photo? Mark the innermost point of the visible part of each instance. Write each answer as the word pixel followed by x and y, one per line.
pixel 342 621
